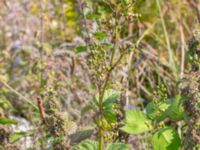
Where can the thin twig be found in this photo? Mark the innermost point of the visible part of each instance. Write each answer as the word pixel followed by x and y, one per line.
pixel 182 52
pixel 18 94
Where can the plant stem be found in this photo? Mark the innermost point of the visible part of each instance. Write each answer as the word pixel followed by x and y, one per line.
pixel 102 89
pixel 101 95
pixel 100 138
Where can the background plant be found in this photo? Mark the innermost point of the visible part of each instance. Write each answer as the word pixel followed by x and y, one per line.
pixel 71 46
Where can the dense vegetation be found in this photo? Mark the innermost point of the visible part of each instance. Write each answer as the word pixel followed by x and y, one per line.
pixel 100 74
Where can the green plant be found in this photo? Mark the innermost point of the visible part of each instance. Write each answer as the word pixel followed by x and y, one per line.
pixel 106 53
pixel 120 73
pixel 162 115
pixel 155 120
pixel 93 145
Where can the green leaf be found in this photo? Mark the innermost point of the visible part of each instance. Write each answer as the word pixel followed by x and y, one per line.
pixel 110 115
pixel 107 45
pixel 17 136
pixel 92 16
pixel 80 49
pixel 171 108
pixel 80 136
pixel 166 139
pixel 6 121
pixel 87 145
pixel 109 102
pixel 100 35
pixel 157 111
pixel 57 139
pixel 176 110
pixel 93 145
pixel 110 97
pixel 118 146
pixel 137 122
